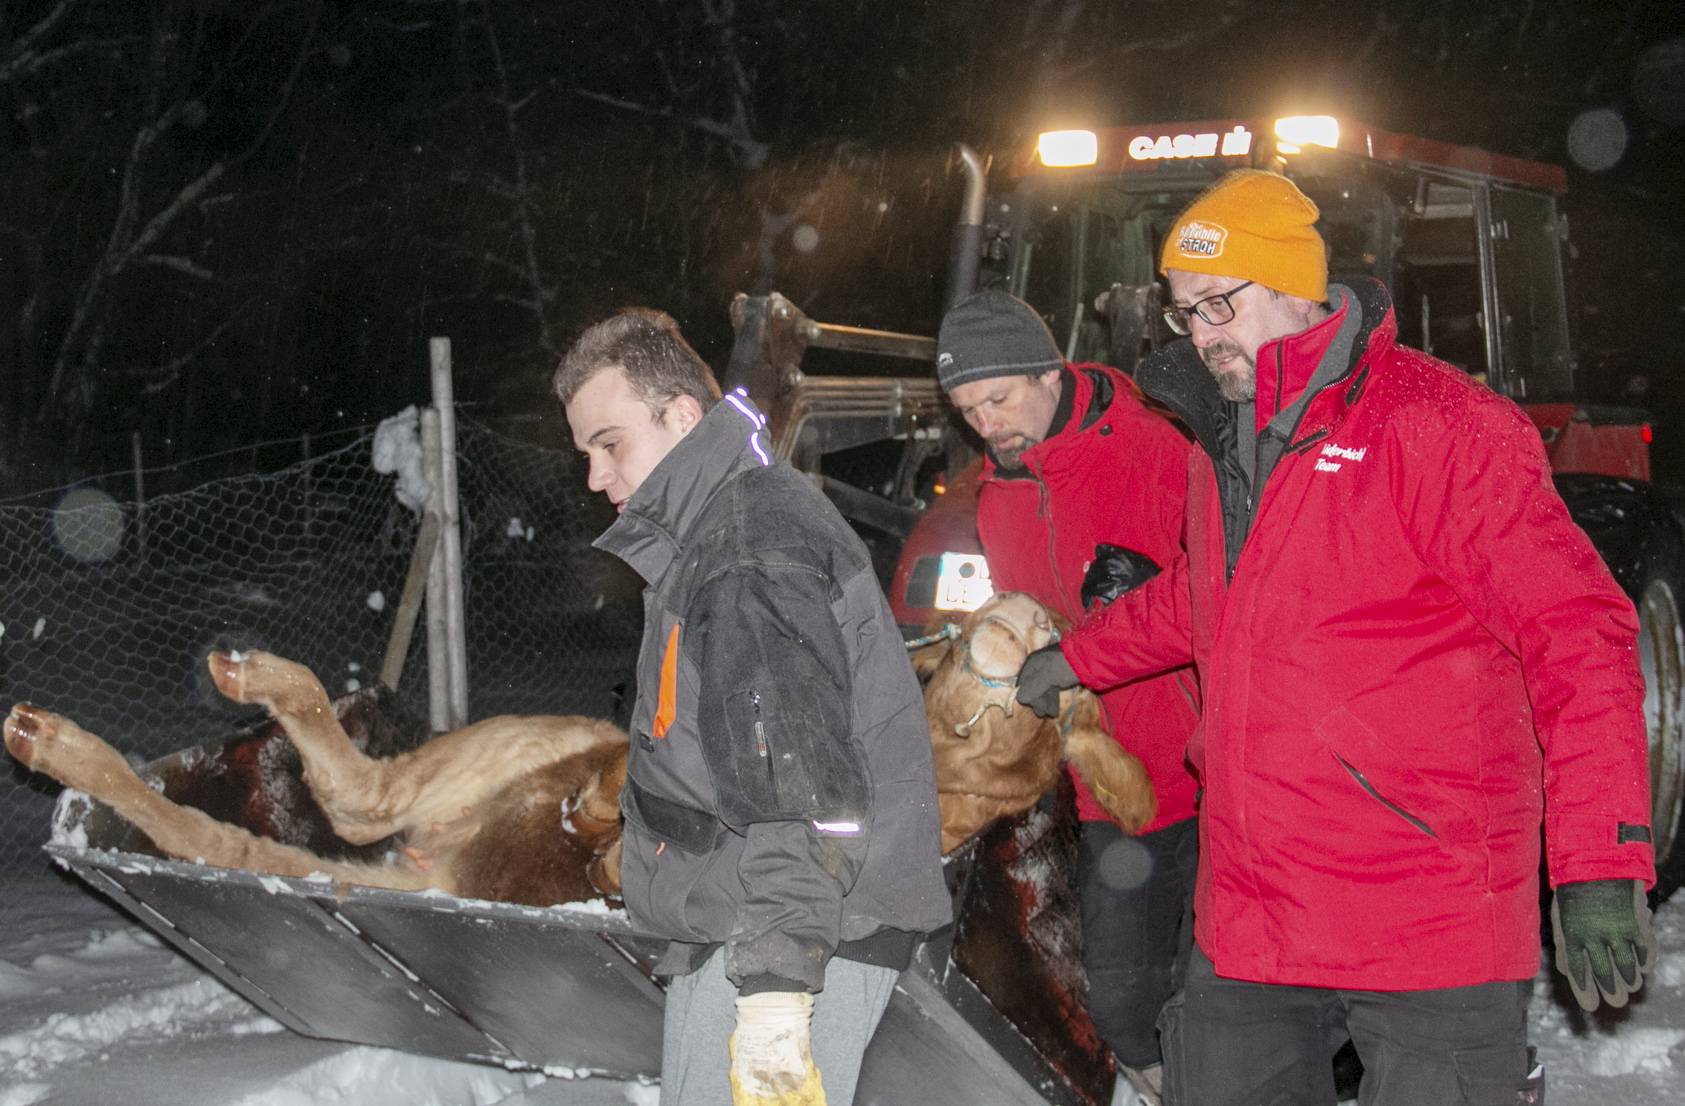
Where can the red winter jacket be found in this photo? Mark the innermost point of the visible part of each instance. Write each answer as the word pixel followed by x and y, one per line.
pixel 1409 655
pixel 1113 472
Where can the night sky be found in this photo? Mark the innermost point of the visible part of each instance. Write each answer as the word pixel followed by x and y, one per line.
pixel 240 221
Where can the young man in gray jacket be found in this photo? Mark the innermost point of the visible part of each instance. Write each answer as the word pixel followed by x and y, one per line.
pixel 780 805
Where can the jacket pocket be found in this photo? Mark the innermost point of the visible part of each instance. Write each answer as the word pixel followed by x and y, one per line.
pixel 1171 1047
pixel 1374 793
pixel 658 884
pixel 788 760
pixel 751 753
pixel 656 706
pixel 1489 1077
pixel 695 831
pixel 1389 778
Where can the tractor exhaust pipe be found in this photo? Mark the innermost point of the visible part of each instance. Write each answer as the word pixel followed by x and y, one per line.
pixel 966 249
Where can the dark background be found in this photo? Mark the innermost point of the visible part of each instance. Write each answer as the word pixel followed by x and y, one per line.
pixel 240 221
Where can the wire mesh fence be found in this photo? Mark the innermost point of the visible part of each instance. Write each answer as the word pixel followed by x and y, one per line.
pixel 109 609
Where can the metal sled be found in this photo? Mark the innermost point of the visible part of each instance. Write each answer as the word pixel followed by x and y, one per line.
pixel 989 1012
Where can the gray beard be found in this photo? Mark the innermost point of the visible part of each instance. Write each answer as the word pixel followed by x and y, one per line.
pixel 1236 387
pixel 1011 458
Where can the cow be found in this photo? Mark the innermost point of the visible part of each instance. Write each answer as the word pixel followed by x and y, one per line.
pixel 513 808
pixel 526 808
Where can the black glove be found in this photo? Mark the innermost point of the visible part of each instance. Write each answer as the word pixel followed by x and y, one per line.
pixel 1604 939
pixel 1113 571
pixel 1045 674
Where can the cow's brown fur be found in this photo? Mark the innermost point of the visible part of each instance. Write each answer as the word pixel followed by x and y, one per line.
pixel 525 808
pixel 994 756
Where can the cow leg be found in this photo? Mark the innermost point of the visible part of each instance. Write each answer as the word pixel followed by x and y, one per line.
pixel 599 800
pixel 598 819
pixel 347 784
pixel 46 742
pixel 367 798
pixel 1116 777
pixel 604 869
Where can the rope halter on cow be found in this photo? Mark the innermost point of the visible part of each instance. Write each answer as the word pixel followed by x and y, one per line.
pixel 1008 703
pixel 949 632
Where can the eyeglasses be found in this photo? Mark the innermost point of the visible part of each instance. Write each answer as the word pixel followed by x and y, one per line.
pixel 1215 310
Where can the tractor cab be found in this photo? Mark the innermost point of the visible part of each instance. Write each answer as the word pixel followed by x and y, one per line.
pixel 1471 244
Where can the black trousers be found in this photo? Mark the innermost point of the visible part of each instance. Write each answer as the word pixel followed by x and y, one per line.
pixel 1234 1043
pixel 1137 928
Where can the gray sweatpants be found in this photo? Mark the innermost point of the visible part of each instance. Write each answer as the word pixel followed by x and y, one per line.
pixel 701 1013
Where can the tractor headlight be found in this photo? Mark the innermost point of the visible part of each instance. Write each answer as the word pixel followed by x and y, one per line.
pixel 1068 149
pixel 1294 132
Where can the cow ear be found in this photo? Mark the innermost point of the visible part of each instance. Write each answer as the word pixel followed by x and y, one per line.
pixel 927 658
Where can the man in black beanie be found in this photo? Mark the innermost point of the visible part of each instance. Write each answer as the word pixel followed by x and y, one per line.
pixel 1081 498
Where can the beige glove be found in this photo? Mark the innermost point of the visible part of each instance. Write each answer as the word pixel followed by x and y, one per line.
pixel 771 1061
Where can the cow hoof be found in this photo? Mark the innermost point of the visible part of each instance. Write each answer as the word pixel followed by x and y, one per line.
pixel 227 670
pixel 24 727
pixel 46 742
pixel 260 678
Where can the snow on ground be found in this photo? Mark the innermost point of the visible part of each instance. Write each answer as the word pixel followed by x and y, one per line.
pixel 95 1010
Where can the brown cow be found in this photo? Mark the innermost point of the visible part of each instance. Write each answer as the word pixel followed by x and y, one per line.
pixel 476 809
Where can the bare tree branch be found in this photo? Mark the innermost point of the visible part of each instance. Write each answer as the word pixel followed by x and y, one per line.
pixel 533 275
pixel 21 57
pixel 183 265
pixel 754 152
pixel 170 371
pixel 722 15
pixel 19 68
pixel 84 337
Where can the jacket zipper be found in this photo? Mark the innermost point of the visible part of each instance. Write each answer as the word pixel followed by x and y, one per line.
pixel 1280 377
pixel 1363 782
pixel 760 738
pixel 1254 486
pixel 1045 511
pixel 1305 443
pixel 1255 496
pixel 1254 493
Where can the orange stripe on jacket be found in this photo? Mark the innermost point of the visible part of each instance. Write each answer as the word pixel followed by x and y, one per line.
pixel 667 704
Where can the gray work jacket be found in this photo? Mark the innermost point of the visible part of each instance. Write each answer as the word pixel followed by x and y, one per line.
pixel 781 796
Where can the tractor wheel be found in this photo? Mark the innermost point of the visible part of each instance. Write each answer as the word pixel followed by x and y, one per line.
pixel 1639 531
pixel 1661 645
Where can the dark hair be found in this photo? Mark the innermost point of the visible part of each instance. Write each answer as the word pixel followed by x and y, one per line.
pixel 646 345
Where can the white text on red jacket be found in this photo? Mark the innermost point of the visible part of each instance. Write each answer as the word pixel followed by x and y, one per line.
pixel 1344 453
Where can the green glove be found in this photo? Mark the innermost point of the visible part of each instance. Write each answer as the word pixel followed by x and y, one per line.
pixel 1604 939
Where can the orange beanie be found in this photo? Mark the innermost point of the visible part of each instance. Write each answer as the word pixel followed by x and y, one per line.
pixel 1252 225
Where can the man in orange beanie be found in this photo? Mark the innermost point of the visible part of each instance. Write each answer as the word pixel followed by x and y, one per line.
pixel 1410 659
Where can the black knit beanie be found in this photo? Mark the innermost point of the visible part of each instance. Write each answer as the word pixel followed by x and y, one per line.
pixel 991 333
